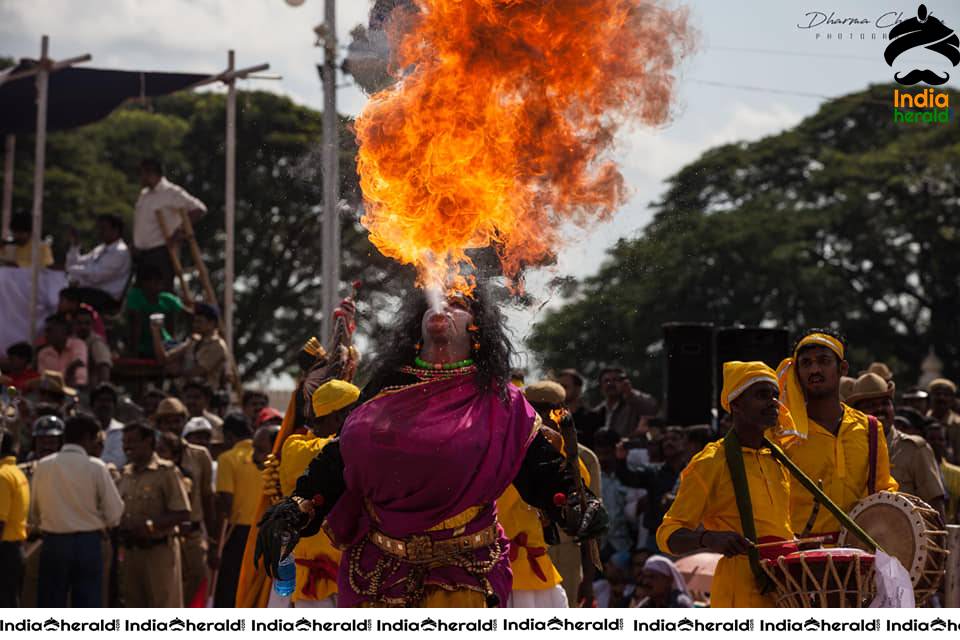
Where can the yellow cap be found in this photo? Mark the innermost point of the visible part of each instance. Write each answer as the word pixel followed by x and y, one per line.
pixel 333 395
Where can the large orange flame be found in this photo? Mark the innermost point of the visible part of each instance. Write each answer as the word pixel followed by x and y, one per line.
pixel 498 132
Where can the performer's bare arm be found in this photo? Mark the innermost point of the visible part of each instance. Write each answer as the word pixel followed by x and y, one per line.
pixel 728 543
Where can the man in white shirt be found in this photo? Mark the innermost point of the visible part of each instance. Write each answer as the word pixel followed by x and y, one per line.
pixel 100 277
pixel 74 502
pixel 103 403
pixel 159 194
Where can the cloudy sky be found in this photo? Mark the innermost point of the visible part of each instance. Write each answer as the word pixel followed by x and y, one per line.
pixel 756 71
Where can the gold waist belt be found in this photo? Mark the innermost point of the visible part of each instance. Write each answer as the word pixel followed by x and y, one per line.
pixel 422 549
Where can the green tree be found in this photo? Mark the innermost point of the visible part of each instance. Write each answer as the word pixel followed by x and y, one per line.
pixel 847 220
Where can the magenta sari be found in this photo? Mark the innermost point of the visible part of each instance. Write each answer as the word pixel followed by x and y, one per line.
pixel 414 458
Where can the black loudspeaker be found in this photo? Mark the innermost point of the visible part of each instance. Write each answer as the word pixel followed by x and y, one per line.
pixel 748 344
pixel 689 369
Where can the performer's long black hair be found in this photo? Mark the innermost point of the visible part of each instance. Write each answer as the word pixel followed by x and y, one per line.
pixel 400 347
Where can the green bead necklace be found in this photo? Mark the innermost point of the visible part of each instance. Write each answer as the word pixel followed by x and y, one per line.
pixel 447 366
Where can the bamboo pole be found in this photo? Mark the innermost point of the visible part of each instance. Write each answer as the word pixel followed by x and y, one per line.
pixel 230 205
pixel 39 162
pixel 174 258
pixel 330 242
pixel 210 295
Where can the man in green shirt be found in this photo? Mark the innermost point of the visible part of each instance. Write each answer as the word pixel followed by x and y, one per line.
pixel 145 299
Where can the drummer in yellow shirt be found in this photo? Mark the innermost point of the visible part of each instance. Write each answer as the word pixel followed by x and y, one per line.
pixel 316 559
pixel 831 442
pixel 706 513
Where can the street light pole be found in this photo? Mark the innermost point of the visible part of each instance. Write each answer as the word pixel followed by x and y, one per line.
pixel 330 244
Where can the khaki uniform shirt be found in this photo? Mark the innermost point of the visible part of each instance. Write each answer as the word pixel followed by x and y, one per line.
pixel 197 461
pixel 151 492
pixel 210 354
pixel 914 466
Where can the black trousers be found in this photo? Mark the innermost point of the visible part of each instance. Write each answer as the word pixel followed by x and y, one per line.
pixel 11 573
pixel 99 299
pixel 230 561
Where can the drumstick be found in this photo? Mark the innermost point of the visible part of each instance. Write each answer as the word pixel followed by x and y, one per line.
pixel 796 541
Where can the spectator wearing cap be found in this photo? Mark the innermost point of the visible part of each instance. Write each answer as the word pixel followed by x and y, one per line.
pixel 100 277
pixel 943 395
pixel 155 502
pixel 202 355
pixel 14 505
pixel 239 486
pixel 268 416
pixel 99 358
pixel 75 502
pixel 63 353
pixel 909 420
pixel 160 197
pixel 253 402
pixel 912 462
pixel 916 398
pixel 198 431
pixel 20 253
pixel 587 421
pixel 46 438
pixel 51 389
pixel 103 402
pixel 197 395
pixel 17 371
pixel 197 465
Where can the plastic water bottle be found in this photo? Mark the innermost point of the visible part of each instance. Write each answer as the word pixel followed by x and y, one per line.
pixel 286 581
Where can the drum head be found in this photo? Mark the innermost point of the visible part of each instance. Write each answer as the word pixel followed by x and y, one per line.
pixel 890 519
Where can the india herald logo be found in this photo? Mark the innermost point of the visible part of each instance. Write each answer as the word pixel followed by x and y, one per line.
pixel 923 31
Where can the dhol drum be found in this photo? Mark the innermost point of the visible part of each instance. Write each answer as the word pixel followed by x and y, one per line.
pixel 822 578
pixel 908 529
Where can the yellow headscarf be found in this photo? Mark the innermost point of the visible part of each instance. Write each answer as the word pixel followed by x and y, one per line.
pixel 791 394
pixel 740 376
pixel 333 395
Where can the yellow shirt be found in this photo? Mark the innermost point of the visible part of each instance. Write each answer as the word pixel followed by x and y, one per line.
pixel 23 255
pixel 239 476
pixel 951 482
pixel 14 501
pixel 521 524
pixel 706 497
pixel 297 454
pixel 841 463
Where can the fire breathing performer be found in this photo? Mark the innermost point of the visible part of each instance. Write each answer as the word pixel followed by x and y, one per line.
pixel 840 448
pixel 408 489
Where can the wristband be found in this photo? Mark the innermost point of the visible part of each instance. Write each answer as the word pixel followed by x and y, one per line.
pixel 700 539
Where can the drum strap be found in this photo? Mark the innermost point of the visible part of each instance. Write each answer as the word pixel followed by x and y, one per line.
pixel 741 491
pixel 820 496
pixel 873 437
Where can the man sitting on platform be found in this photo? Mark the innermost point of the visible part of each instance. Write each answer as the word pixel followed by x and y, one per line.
pixel 100 277
pixel 20 253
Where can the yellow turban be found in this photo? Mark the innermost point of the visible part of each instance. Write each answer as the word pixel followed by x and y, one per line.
pixel 333 395
pixel 791 394
pixel 740 376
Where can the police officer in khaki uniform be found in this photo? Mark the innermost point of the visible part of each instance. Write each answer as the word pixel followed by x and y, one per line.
pixel 195 461
pixel 912 462
pixel 155 501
